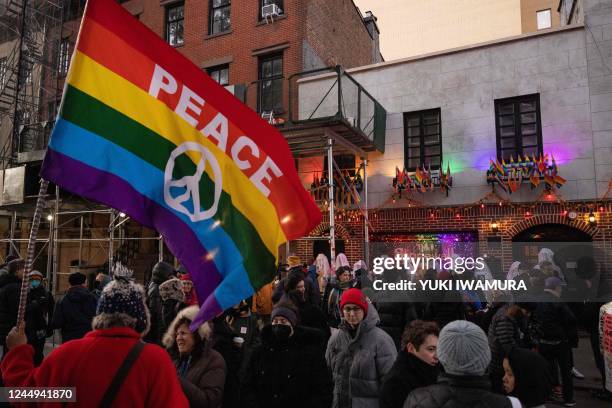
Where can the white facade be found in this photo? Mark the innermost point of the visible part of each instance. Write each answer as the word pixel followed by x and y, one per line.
pixel 571 70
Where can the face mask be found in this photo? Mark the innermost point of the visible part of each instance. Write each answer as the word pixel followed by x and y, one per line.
pixel 35 283
pixel 281 331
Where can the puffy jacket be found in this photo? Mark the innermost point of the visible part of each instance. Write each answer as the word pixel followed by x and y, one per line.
pixel 555 320
pixel 407 374
pixel 10 288
pixel 457 392
pixel 161 273
pixel 505 332
pixel 39 313
pixel 204 380
pixel 289 374
pixel 359 363
pixel 74 313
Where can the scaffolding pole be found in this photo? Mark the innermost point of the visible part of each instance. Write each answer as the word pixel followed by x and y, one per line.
pixel 366 241
pixel 332 227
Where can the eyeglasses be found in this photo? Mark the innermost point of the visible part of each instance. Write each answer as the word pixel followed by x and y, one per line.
pixel 354 309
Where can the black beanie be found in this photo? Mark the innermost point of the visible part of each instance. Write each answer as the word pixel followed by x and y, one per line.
pixel 76 278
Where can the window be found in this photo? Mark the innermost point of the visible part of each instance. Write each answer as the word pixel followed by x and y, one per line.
pixel 63 62
pixel 3 72
pixel 270 90
pixel 279 4
pixel 219 16
pixel 518 126
pixel 543 18
pixel 220 74
pixel 175 16
pixel 422 139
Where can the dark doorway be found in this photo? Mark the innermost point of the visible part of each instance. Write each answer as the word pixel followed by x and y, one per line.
pixel 321 246
pixel 572 248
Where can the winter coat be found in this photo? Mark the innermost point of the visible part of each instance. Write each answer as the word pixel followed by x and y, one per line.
pixel 202 373
pixel 407 374
pixel 234 361
pixel 204 380
pixel 312 294
pixel 532 377
pixel 505 332
pixel 154 303
pixel 10 288
pixel 90 363
pixel 359 363
pixel 555 322
pixel 457 392
pixel 262 300
pixel 39 313
pixel 288 374
pixel 394 316
pixel 74 313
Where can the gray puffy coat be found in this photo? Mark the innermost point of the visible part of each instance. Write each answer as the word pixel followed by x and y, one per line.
pixel 359 364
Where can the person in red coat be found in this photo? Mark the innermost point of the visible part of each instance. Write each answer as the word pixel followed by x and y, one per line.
pixel 89 364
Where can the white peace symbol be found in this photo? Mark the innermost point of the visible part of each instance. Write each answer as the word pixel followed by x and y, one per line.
pixel 191 183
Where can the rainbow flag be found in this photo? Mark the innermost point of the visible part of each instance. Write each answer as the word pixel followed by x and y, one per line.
pixel 145 131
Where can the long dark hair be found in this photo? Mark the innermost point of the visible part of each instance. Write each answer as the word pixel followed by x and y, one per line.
pixel 199 344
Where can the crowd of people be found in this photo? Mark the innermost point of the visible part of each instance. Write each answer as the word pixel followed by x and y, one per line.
pixel 317 336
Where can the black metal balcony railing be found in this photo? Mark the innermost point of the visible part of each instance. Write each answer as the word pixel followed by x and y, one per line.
pixel 337 97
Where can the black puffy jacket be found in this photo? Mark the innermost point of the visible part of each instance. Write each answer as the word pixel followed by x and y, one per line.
pixel 74 313
pixel 457 392
pixel 290 374
pixel 407 374
pixel 10 288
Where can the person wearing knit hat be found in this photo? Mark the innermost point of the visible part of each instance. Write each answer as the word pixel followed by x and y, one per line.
pixel 161 272
pixel 463 350
pixel 39 312
pixel 287 369
pixel 122 304
pixel 359 353
pixel 91 363
pixel 173 300
pixel 191 298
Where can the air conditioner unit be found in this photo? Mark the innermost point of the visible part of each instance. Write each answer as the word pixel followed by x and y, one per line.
pixel 270 10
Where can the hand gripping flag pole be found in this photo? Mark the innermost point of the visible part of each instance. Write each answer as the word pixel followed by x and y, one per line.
pixel 23 296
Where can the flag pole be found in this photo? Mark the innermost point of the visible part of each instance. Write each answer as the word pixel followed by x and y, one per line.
pixel 40 204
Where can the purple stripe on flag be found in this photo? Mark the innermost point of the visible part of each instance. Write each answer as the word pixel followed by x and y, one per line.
pixel 208 310
pixel 115 192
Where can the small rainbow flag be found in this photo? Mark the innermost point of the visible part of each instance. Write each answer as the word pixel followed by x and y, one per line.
pixel 145 131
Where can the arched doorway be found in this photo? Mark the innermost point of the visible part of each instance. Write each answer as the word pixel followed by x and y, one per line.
pixel 321 246
pixel 572 248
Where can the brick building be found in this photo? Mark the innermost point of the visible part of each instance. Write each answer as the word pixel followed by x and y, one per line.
pixel 252 47
pixel 257 45
pixel 542 93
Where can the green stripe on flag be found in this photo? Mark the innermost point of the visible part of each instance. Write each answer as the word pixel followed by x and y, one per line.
pixel 91 114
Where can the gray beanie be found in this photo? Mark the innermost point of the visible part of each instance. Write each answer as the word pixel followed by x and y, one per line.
pixel 463 349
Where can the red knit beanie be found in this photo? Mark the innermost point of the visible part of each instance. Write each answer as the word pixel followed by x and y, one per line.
pixel 354 296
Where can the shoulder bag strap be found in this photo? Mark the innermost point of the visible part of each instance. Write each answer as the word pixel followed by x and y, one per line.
pixel 113 388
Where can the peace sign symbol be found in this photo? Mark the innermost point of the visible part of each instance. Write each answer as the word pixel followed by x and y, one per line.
pixel 191 183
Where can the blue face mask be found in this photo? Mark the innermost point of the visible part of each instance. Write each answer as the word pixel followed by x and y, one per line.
pixel 35 283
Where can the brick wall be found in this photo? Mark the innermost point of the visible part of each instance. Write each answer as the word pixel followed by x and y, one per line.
pixel 511 221
pixel 340 37
pixel 335 30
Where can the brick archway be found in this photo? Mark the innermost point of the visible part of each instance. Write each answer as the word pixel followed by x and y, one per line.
pixel 341 231
pixel 549 219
